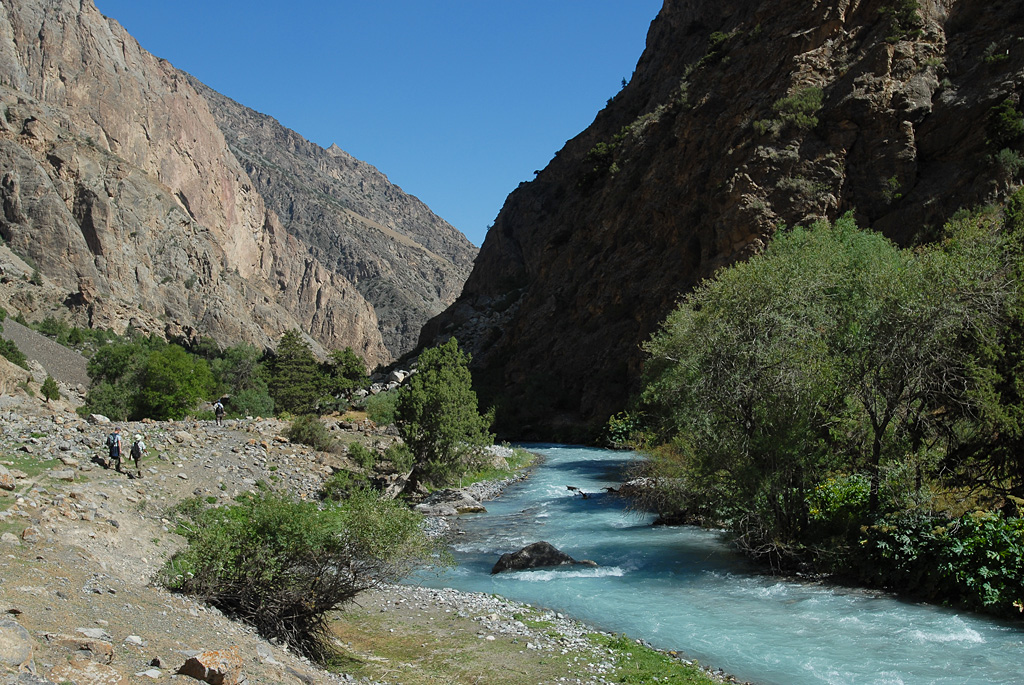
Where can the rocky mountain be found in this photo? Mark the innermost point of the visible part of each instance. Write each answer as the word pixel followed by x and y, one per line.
pixel 120 188
pixel 740 117
pixel 407 262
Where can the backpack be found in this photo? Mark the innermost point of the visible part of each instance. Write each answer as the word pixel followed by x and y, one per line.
pixel 136 450
pixel 111 439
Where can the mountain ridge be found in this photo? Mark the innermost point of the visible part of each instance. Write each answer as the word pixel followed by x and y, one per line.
pixel 119 186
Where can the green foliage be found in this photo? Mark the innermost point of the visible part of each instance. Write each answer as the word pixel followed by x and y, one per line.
pixel 282 565
pixel 171 383
pixel 50 390
pixel 976 560
pixel 799 111
pixel 241 375
pixel 344 372
pixel 834 351
pixel 437 416
pixel 380 408
pixel 342 485
pixel 839 504
pixel 10 350
pixel 400 456
pixel 637 663
pixel 362 455
pixel 625 430
pixel 905 20
pixel 1004 126
pixel 145 378
pixel 310 430
pixel 295 378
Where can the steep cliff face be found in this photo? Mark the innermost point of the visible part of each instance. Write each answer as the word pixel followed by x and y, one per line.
pixel 405 260
pixel 741 117
pixel 118 184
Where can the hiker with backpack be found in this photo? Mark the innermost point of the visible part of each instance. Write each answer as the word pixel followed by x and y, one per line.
pixel 218 412
pixel 138 448
pixel 114 445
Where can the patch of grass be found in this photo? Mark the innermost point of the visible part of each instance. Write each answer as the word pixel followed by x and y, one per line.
pixel 28 463
pixel 394 646
pixel 520 459
pixel 635 663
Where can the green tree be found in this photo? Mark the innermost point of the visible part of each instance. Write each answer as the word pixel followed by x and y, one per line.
pixel 832 352
pixel 114 371
pixel 172 382
pixel 343 372
pixel 295 377
pixel 438 417
pixel 281 565
pixel 241 375
pixel 50 390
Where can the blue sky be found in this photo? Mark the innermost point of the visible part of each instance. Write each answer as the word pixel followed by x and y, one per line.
pixel 456 101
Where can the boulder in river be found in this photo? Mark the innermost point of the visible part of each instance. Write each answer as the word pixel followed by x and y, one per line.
pixel 536 555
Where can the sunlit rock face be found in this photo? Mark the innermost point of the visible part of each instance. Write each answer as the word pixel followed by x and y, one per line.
pixel 119 184
pixel 741 117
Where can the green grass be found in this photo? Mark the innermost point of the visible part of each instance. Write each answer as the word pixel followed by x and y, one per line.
pixel 519 460
pixel 635 663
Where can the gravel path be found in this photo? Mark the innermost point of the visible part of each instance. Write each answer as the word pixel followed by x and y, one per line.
pixel 64 364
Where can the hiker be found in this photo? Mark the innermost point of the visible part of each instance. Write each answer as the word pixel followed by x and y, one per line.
pixel 138 447
pixel 114 444
pixel 218 411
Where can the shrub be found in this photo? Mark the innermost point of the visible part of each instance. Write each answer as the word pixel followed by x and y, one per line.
pixel 905 19
pixel 381 407
pixel 9 350
pixel 976 560
pixel 400 457
pixel 50 390
pixel 310 430
pixel 342 485
pixel 362 455
pixel 801 108
pixel 1004 126
pixel 281 565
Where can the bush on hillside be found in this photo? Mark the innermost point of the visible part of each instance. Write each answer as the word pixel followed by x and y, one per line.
pixel 380 408
pixel 281 565
pixel 9 350
pixel 310 430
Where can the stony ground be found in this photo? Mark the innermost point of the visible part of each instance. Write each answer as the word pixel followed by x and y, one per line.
pixel 80 545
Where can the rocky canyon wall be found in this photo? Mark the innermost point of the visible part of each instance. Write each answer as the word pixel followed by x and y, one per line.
pixel 741 117
pixel 119 185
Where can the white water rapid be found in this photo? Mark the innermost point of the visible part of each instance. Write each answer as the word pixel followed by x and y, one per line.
pixel 685 589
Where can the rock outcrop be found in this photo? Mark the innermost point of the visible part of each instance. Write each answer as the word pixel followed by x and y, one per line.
pixel 408 263
pixel 119 187
pixel 740 117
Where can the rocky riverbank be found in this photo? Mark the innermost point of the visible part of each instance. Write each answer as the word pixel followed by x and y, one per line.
pixel 80 545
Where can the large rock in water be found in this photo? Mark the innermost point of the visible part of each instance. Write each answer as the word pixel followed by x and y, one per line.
pixel 538 555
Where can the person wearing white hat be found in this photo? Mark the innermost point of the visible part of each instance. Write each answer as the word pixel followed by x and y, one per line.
pixel 138 448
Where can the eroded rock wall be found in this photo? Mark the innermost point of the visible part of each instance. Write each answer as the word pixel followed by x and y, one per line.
pixel 118 184
pixel 692 166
